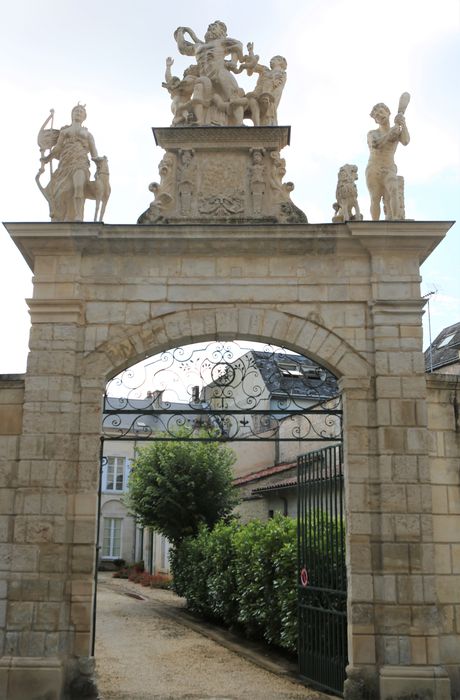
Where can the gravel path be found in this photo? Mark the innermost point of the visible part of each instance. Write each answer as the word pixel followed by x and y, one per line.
pixel 143 652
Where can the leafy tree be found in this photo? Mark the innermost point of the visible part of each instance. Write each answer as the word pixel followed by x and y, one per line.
pixel 176 486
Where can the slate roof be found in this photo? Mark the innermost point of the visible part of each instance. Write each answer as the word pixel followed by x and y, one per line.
pixel 314 381
pixel 445 350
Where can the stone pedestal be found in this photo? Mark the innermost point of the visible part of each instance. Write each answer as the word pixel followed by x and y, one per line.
pixel 222 174
pixel 34 678
pixel 414 682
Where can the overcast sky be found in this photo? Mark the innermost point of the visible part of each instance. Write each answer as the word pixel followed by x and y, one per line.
pixel 343 56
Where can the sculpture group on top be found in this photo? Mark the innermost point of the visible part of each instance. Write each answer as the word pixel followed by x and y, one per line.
pixel 220 174
pixel 217 177
pixel 208 93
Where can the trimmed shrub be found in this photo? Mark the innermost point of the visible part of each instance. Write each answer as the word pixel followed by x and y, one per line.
pixel 242 575
pixel 246 575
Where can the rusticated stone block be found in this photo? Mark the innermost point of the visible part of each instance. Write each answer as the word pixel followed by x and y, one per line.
pixel 395 557
pixel 20 615
pixel 47 616
pixel 82 559
pixel 28 589
pixel 80 616
pixel 363 649
pixel 24 558
pixel 393 619
pixel 446 528
pixel 53 558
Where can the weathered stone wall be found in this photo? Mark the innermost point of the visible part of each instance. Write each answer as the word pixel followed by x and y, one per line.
pixel 444 445
pixel 11 409
pixel 348 296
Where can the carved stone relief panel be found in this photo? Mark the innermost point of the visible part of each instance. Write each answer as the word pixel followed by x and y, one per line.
pixel 222 189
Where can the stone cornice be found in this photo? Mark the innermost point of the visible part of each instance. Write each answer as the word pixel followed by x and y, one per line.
pixel 379 237
pixel 407 306
pixel 438 380
pixel 234 137
pixel 357 238
pixel 52 311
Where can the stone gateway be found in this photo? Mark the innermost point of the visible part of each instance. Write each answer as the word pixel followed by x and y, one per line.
pixel 223 253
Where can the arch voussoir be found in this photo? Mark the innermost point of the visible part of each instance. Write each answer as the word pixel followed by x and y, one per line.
pixel 196 325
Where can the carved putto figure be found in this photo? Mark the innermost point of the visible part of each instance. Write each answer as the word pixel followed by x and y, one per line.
pixel 70 183
pixel 181 92
pixel 381 173
pixel 347 195
pixel 265 98
pixel 209 95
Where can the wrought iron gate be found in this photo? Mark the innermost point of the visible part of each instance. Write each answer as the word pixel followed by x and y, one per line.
pixel 322 587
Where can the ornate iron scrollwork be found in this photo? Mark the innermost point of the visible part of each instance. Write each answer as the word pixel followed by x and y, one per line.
pixel 224 391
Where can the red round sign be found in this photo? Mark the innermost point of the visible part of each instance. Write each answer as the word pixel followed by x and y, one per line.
pixel 304 577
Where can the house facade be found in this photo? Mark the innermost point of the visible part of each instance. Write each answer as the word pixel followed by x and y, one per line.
pixel 120 536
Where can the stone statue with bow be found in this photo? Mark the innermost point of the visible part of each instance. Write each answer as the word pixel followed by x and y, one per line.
pixel 70 184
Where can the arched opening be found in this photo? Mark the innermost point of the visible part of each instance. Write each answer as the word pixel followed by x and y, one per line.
pixel 282 414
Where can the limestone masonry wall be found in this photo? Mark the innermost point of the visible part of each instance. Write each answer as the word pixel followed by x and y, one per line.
pixel 346 295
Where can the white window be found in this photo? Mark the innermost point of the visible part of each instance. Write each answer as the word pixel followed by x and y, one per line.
pixel 115 474
pixel 111 543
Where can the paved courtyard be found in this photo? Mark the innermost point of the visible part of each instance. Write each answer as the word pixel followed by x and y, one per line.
pixel 147 650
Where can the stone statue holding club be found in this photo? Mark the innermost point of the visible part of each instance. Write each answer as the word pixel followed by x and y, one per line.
pixel 382 179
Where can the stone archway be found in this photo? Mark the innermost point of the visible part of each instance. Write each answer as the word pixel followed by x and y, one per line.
pixel 104 296
pixel 178 328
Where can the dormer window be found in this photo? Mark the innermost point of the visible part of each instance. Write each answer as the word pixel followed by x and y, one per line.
pixel 290 369
pixel 446 340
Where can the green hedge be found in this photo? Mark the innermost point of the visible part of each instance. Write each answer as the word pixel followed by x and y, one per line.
pixel 243 575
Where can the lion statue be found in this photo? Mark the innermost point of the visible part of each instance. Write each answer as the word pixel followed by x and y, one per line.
pixel 347 196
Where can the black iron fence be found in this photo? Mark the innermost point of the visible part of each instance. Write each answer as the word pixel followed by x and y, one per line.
pixel 322 587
